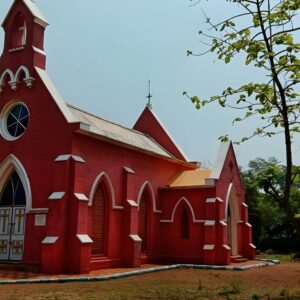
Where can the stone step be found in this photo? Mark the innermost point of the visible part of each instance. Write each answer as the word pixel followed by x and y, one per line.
pixel 103 262
pixel 238 259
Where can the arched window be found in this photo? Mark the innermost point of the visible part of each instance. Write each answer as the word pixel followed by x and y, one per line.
pixel 13 193
pixel 185 228
pixel 19 32
pixel 99 220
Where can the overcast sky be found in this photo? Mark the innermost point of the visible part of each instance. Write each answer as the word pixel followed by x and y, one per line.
pixel 101 54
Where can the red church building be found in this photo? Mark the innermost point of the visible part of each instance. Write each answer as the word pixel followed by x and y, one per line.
pixel 78 192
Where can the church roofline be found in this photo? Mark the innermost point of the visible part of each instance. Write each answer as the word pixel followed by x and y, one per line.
pixel 219 163
pixel 33 8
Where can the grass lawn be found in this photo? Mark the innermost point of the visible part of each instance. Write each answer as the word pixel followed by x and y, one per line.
pixel 277 282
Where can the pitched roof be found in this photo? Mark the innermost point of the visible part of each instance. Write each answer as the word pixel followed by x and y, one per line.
pixel 117 132
pixel 219 163
pixel 33 8
pixel 150 124
pixel 193 178
pixel 104 129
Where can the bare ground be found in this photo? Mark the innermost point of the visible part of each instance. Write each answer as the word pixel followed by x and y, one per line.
pixel 277 282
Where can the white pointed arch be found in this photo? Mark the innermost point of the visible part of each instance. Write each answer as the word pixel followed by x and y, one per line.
pixel 232 203
pixel 21 69
pixel 9 73
pixel 10 164
pixel 231 199
pixel 104 176
pixel 147 185
pixel 187 202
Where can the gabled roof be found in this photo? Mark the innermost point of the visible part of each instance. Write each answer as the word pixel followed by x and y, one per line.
pixel 33 8
pixel 192 178
pixel 220 161
pixel 150 124
pixel 104 129
pixel 117 132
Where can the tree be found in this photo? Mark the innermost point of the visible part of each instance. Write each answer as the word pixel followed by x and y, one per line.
pixel 268 43
pixel 271 227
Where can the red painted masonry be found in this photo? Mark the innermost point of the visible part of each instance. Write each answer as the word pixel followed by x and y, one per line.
pixel 62 161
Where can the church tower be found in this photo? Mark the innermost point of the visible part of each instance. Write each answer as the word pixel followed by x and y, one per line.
pixel 23 50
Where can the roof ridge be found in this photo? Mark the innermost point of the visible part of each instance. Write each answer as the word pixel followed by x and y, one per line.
pixel 120 125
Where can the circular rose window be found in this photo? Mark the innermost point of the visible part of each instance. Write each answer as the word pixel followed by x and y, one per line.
pixel 15 120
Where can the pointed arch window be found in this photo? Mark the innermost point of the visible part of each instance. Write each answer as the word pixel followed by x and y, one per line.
pixel 19 31
pixel 13 193
pixel 184 225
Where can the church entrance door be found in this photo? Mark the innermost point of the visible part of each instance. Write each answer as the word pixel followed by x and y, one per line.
pixel 12 219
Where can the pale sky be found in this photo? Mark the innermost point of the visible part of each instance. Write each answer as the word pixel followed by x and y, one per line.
pixel 101 54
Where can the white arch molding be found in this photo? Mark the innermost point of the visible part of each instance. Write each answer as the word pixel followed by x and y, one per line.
pixel 99 178
pixel 14 79
pixel 19 72
pixel 10 164
pixel 232 202
pixel 183 199
pixel 148 185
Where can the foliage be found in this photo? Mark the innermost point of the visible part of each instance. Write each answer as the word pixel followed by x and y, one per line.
pixel 264 182
pixel 268 43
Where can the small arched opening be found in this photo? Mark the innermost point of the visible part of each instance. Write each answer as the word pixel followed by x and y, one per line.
pixel 19 31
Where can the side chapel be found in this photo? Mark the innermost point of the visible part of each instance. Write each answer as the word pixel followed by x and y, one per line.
pixel 79 193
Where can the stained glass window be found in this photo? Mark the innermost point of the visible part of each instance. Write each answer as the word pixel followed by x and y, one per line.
pixel 13 193
pixel 17 120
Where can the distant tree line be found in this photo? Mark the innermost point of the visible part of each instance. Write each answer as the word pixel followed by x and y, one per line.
pixel 264 181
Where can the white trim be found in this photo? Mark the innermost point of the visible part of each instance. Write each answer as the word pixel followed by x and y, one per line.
pixel 223 223
pixel 50 240
pixel 10 164
pixel 244 204
pixel 40 22
pixel 252 246
pixel 85 126
pixel 208 247
pixel 16 49
pixel 142 189
pixel 20 69
pixel 38 50
pixel 129 170
pixel 3 120
pixel 178 148
pixel 56 95
pixel 65 157
pixel 174 211
pixel 56 195
pixel 219 163
pixel 211 200
pixel 248 225
pixel 210 181
pixel 81 197
pixel 110 189
pixel 84 239
pixel 132 203
pixel 226 247
pixel 209 223
pixel 135 237
pixel 78 158
pixel 232 201
pixel 11 75
pixel 38 210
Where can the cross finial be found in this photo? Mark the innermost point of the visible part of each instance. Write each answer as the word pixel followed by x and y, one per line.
pixel 149 105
